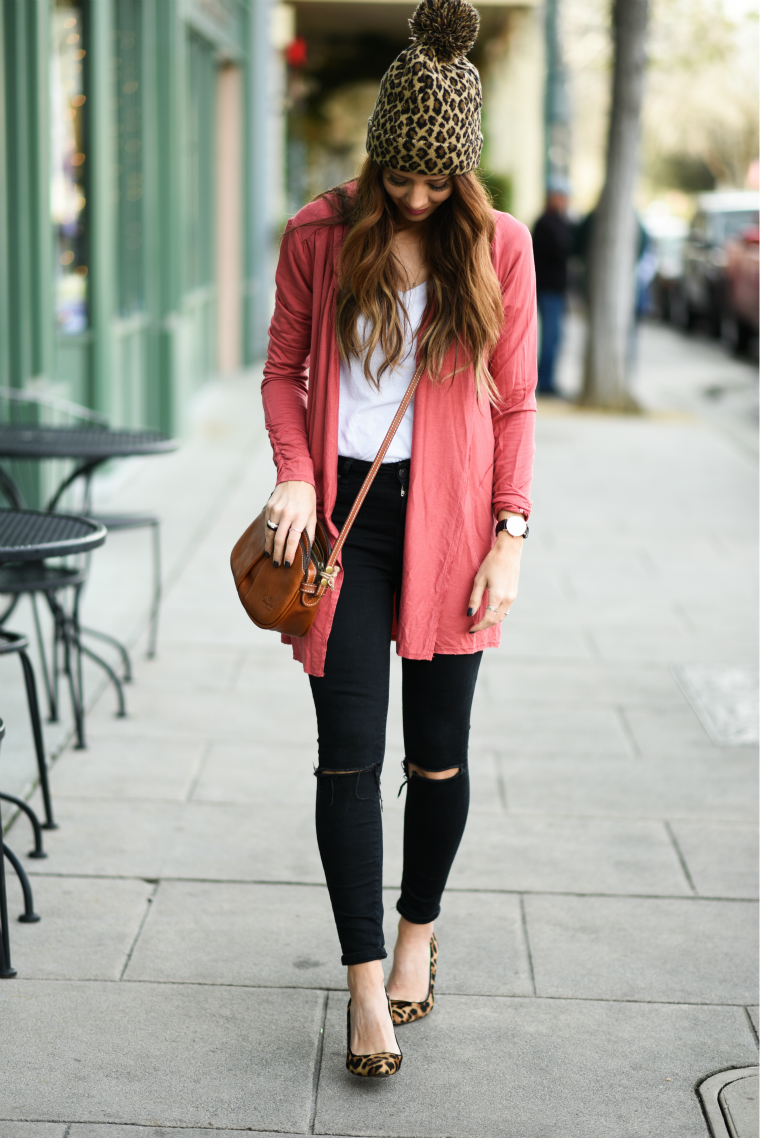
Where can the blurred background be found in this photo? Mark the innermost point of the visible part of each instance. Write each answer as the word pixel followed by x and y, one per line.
pixel 151 150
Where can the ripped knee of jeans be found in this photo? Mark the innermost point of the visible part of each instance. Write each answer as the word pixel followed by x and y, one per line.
pixel 361 784
pixel 423 775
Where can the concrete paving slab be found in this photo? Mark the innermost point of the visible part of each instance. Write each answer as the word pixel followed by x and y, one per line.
pixel 754 1015
pixel 183 1055
pixel 643 949
pixel 591 683
pixel 575 855
pixel 221 841
pixel 722 858
pixel 239 843
pixel 222 933
pixel 275 935
pixel 171 713
pixel 129 768
pixel 529 640
pixel 87 927
pixel 556 729
pixel 255 773
pixel 32 1129
pixel 105 837
pixel 93 1130
pixel 501 969
pixel 718 787
pixel 628 642
pixel 536 1069
pixel 667 730
pixel 190 668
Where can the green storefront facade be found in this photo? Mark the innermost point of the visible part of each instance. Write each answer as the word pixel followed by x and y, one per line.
pixel 134 226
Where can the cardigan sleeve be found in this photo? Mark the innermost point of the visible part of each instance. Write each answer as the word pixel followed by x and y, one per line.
pixel 284 387
pixel 514 369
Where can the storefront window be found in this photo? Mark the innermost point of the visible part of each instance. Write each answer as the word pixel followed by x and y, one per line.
pixel 129 162
pixel 67 192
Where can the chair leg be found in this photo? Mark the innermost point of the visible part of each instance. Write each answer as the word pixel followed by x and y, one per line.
pixel 63 636
pixel 38 851
pixel 122 712
pixel 28 917
pixel 39 746
pixel 156 591
pixel 108 639
pixel 50 693
pixel 6 971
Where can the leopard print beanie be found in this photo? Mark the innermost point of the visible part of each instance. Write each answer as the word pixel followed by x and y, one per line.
pixel 427 115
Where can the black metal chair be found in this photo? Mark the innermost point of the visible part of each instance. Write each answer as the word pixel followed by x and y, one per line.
pixel 13 643
pixel 7 971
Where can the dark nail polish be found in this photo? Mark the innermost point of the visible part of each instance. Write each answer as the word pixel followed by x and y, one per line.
pixel 286 564
pixel 276 564
pixel 266 553
pixel 470 612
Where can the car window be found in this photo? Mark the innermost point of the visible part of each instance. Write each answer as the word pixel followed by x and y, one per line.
pixel 737 221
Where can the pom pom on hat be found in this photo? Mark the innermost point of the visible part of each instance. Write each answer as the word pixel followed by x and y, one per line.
pixel 449 27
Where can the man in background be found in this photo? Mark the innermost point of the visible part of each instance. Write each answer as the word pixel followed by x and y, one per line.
pixel 552 245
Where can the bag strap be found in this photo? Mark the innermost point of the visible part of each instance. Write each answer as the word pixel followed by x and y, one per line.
pixel 329 572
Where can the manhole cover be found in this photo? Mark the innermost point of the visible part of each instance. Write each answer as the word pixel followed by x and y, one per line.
pixel 730 1101
pixel 725 699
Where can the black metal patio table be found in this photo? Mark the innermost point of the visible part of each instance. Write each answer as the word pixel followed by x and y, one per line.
pixel 89 447
pixel 29 537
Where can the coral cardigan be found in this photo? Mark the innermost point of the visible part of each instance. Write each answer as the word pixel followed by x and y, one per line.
pixel 469 460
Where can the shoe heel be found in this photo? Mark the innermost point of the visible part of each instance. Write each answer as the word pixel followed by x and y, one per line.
pixel 408 1011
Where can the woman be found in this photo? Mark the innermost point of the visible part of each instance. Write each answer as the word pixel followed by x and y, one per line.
pixel 407 265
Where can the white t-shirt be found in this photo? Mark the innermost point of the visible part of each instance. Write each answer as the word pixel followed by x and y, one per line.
pixel 365 414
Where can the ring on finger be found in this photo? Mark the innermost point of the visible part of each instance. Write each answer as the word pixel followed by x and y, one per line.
pixel 492 608
pixel 272 525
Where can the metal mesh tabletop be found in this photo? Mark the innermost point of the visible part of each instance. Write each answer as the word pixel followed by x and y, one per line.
pixel 23 441
pixel 27 535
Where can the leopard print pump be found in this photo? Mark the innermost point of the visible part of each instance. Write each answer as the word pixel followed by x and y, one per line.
pixel 407 1011
pixel 379 1066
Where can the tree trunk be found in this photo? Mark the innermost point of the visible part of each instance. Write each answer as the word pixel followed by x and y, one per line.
pixel 612 255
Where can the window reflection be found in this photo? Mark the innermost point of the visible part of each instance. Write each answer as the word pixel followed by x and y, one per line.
pixel 67 191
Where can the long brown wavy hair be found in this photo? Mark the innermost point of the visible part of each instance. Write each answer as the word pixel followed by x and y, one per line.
pixel 464 305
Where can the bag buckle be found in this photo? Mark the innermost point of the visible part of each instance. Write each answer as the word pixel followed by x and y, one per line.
pixel 328 575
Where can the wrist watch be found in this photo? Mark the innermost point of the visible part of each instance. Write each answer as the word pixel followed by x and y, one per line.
pixel 515 526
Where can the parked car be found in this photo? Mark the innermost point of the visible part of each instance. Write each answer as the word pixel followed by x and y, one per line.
pixel 720 217
pixel 742 290
pixel 666 236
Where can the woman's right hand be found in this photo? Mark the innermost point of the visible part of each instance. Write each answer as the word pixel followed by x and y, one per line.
pixel 293 509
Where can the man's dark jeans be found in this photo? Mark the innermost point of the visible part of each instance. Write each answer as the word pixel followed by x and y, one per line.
pixel 551 309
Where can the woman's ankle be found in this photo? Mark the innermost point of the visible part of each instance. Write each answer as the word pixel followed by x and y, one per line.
pixel 410 932
pixel 366 981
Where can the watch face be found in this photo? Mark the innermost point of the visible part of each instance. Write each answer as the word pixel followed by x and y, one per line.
pixel 516 526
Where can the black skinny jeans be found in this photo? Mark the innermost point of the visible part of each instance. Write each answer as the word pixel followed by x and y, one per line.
pixel 351 701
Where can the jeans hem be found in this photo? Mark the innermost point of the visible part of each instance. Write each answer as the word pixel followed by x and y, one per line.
pixel 363 957
pixel 416 919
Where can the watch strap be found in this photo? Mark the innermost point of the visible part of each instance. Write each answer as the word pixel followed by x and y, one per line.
pixel 502 525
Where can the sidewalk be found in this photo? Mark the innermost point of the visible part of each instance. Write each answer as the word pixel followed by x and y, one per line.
pixel 598 939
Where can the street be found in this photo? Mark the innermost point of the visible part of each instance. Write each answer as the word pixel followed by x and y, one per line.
pixel 598 937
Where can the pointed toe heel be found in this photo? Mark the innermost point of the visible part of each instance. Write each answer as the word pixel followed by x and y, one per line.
pixel 381 1065
pixel 407 1011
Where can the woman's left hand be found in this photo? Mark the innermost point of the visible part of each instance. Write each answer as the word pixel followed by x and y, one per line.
pixel 499 574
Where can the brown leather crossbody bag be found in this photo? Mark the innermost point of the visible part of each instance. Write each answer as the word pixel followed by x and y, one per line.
pixel 286 600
